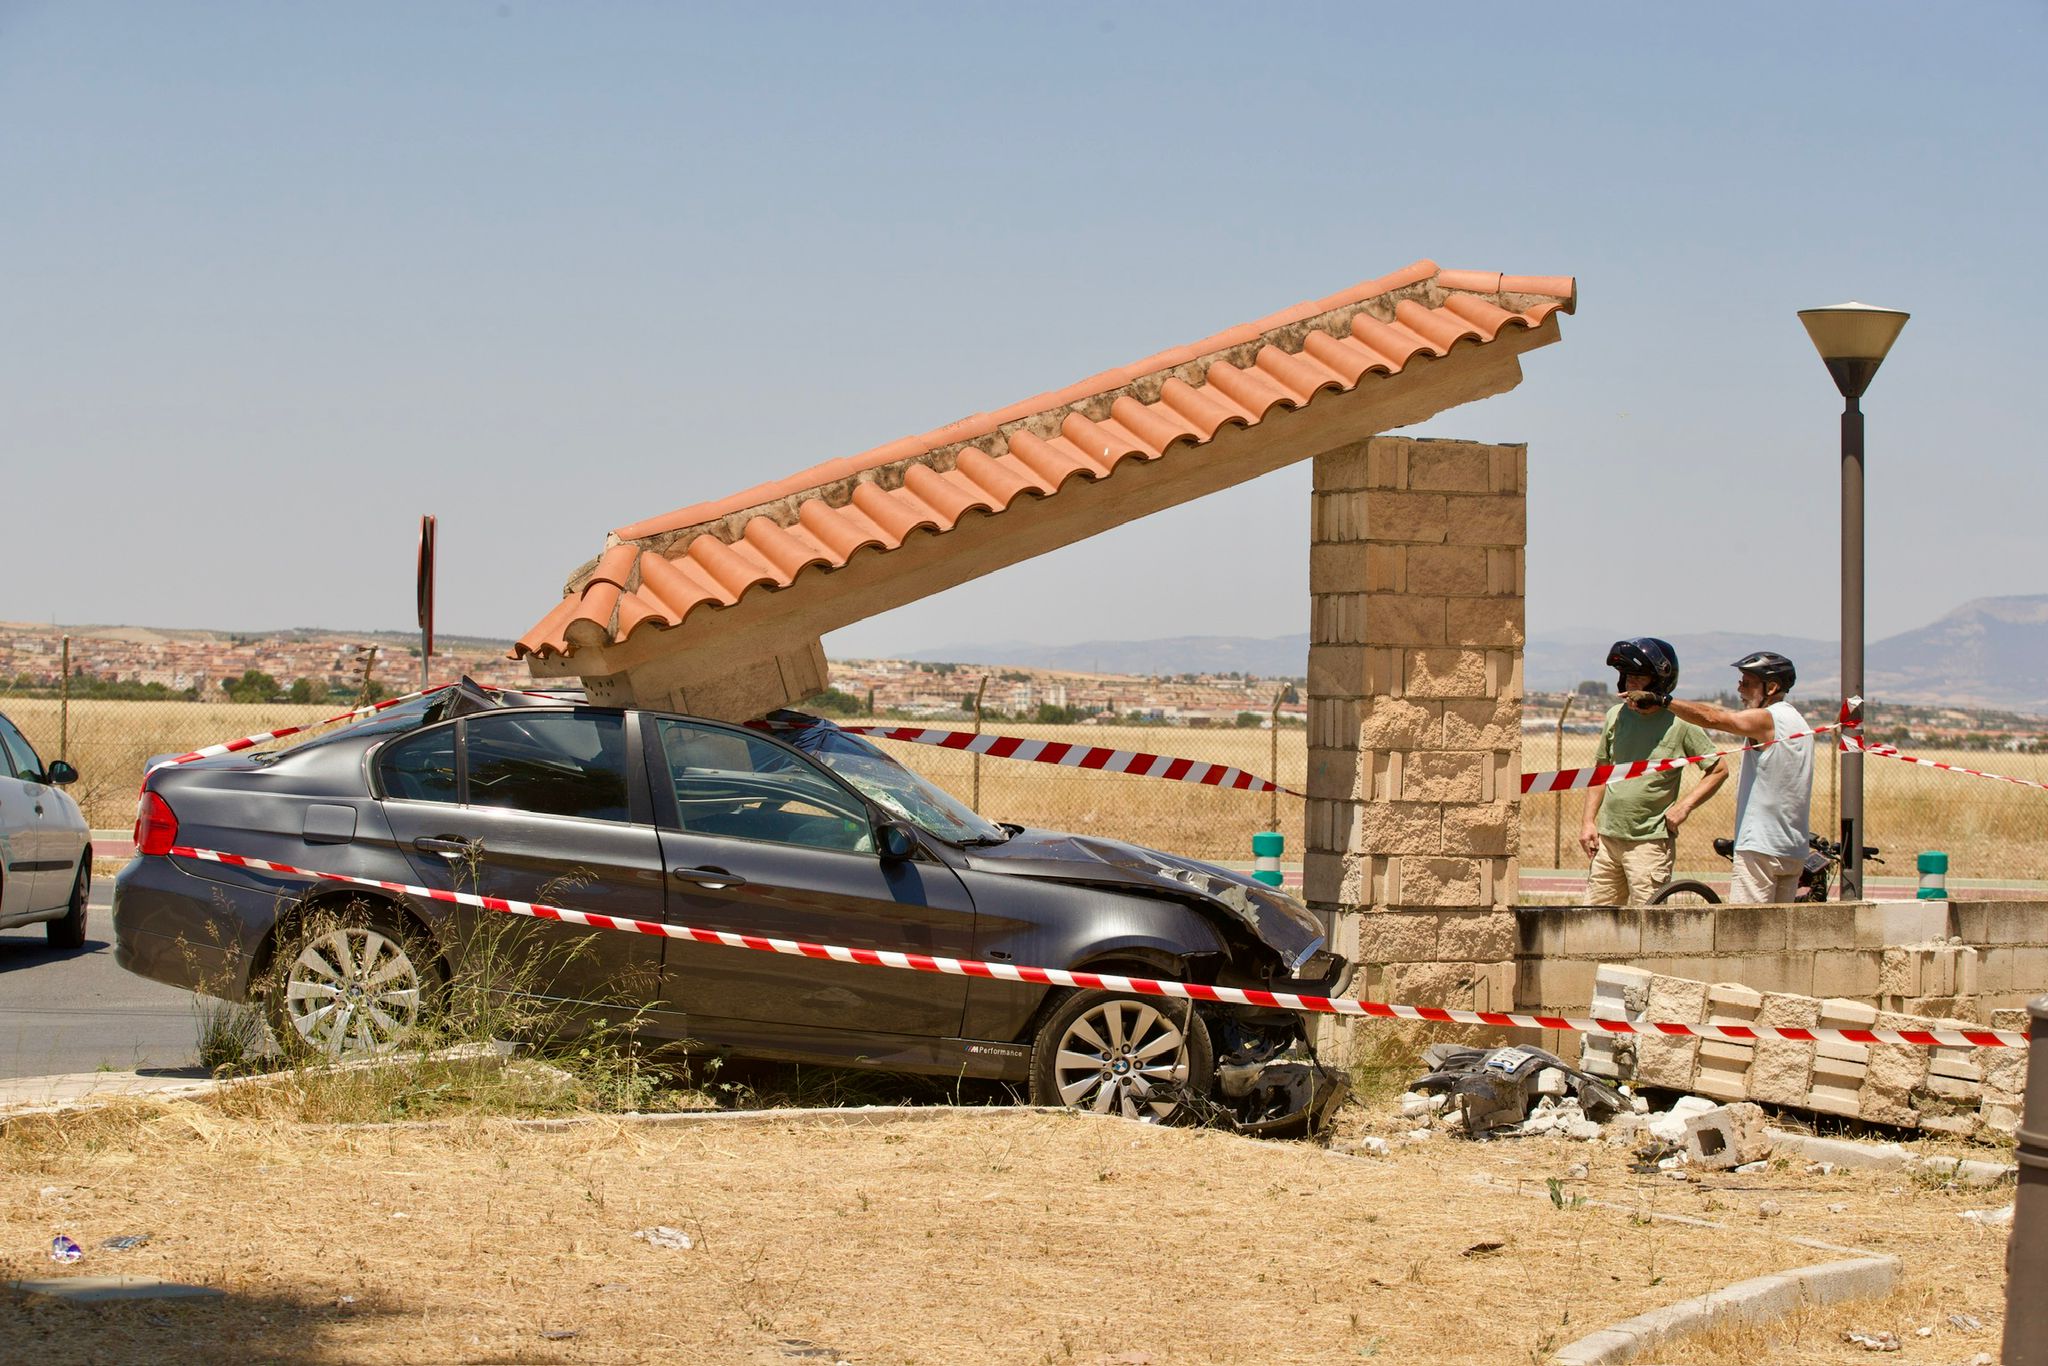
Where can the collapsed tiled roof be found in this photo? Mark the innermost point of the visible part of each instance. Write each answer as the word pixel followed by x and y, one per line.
pixel 655 574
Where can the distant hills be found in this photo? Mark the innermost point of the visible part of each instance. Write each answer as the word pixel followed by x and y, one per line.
pixel 1990 652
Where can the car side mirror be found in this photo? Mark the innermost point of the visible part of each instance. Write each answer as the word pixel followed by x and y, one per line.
pixel 60 773
pixel 896 840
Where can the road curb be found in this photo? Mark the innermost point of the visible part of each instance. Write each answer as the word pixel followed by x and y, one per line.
pixel 1758 1300
pixel 1845 1152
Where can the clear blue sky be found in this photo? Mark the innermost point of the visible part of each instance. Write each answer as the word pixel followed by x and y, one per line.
pixel 281 278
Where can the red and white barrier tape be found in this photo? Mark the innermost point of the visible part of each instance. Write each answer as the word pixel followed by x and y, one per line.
pixel 250 741
pixel 1144 986
pixel 1890 752
pixel 1600 775
pixel 1092 757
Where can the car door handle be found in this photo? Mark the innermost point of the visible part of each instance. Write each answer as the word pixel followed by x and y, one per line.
pixel 708 877
pixel 448 848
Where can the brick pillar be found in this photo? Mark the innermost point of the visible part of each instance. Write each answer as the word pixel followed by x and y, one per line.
pixel 1415 693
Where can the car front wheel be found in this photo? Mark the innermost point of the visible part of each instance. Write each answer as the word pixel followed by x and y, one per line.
pixel 1144 1058
pixel 347 988
pixel 68 930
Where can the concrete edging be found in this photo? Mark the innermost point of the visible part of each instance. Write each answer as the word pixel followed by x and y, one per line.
pixel 1845 1152
pixel 1757 1300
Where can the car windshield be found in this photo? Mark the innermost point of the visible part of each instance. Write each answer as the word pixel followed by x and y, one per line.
pixel 884 781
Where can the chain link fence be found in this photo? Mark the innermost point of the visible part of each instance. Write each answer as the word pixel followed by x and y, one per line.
pixel 1989 829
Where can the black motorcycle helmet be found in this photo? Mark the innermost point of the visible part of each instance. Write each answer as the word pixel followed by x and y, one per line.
pixel 1644 655
pixel 1769 667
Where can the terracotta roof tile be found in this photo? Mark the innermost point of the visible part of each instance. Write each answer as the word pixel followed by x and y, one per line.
pixel 655 573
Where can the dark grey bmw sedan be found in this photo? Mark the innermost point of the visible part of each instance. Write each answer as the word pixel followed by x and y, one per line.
pixel 794 830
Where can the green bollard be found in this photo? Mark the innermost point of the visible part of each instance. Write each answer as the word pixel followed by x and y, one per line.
pixel 1266 848
pixel 1933 867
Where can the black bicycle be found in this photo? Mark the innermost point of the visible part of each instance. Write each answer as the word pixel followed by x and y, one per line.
pixel 1823 856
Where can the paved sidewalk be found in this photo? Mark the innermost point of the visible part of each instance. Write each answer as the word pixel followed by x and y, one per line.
pixel 28 1095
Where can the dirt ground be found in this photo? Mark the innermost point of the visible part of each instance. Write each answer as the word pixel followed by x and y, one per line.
pixel 969 1236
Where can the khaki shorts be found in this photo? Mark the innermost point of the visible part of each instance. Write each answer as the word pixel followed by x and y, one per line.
pixel 1627 872
pixel 1765 879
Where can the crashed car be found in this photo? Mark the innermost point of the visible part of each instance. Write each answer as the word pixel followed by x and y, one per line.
pixel 792 829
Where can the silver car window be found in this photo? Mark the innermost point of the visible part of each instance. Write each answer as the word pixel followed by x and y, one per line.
pixel 22 762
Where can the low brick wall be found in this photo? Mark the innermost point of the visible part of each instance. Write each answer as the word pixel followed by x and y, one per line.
pixel 1960 959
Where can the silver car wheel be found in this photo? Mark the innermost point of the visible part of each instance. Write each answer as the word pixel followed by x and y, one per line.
pixel 352 991
pixel 1122 1057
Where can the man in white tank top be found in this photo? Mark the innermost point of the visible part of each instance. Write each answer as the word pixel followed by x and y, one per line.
pixel 1774 796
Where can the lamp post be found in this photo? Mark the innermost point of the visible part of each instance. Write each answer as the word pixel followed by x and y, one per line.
pixel 1852 339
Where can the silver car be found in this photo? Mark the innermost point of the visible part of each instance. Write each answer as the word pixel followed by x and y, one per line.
pixel 45 844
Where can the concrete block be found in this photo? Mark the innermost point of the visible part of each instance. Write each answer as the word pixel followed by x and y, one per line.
pixel 2015 923
pixel 2001 1115
pixel 1482 723
pixel 2027 970
pixel 1749 929
pixel 1386 828
pixel 1900 971
pixel 1395 618
pixel 1446 673
pixel 1845 972
pixel 1483 936
pixel 1440 776
pixel 1442 570
pixel 1398 723
pixel 1601 932
pixel 1486 829
pixel 1539 932
pixel 1882 1105
pixel 1343 468
pixel 1429 881
pixel 1386 936
pixel 1892 1073
pixel 1483 621
pixel 1671 932
pixel 1390 515
pixel 1883 923
pixel 1829 925
pixel 1322 873
pixel 1790 971
pixel 1722 1070
pixel 1553 986
pixel 2017 1019
pixel 1450 466
pixel 1619 993
pixel 1498 520
pixel 1727 1136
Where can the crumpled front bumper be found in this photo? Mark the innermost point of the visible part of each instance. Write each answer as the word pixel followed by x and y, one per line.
pixel 1268 1079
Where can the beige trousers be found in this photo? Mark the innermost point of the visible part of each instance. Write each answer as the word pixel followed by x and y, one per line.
pixel 1765 879
pixel 1627 872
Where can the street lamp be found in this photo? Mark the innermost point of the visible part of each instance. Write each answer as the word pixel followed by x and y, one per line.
pixel 1852 339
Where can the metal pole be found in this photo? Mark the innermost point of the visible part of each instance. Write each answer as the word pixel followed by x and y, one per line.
pixel 2026 1250
pixel 1273 761
pixel 1557 811
pixel 1852 642
pixel 978 691
pixel 64 702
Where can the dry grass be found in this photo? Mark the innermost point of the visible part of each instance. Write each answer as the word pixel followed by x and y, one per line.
pixel 968 1237
pixel 1989 829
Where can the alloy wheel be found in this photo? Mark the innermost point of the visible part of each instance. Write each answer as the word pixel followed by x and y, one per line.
pixel 1123 1057
pixel 352 990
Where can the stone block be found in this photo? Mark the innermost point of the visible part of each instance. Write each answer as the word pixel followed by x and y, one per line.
pixel 1441 882
pixel 1722 1069
pixel 1495 520
pixel 1391 515
pixel 1893 1071
pixel 1883 1105
pixel 1397 937
pixel 1342 468
pixel 1385 828
pixel 1510 469
pixel 1898 972
pixel 1666 1061
pixel 2016 923
pixel 2000 1115
pixel 1726 1136
pixel 1670 931
pixel 1486 829
pixel 1482 723
pixel 1504 572
pixel 1601 931
pixel 1494 986
pixel 1482 621
pixel 2003 1070
pixel 1749 929
pixel 1441 776
pixel 1433 984
pixel 1334 722
pixel 1446 673
pixel 1342 567
pixel 1441 570
pixel 2017 1019
pixel 1883 923
pixel 1782 1071
pixel 1333 773
pixel 1554 986
pixel 1830 925
pixel 1540 930
pixel 1452 467
pixel 1786 972
pixel 1401 723
pixel 1338 671
pixel 1331 825
pixel 1845 972
pixel 1322 874
pixel 1400 618
pixel 1479 935
pixel 2026 970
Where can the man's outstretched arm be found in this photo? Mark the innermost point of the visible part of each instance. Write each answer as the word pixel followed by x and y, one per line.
pixel 1753 723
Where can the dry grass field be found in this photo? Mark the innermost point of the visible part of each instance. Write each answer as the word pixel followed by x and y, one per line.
pixel 991 1236
pixel 1990 830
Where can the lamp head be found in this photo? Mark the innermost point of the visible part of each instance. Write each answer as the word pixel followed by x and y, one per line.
pixel 1852 339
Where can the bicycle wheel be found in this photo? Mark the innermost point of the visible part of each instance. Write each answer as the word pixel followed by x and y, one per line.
pixel 1685 891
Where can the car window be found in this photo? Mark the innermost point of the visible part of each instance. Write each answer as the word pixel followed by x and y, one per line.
pixel 557 763
pixel 21 757
pixel 745 787
pixel 421 767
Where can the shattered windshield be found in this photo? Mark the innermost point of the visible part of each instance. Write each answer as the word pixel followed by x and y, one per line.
pixel 895 788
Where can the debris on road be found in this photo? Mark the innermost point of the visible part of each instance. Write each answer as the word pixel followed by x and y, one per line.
pixel 126 1243
pixel 1727 1136
pixel 1504 1088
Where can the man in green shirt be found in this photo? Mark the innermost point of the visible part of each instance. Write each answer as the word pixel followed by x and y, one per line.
pixel 1631 827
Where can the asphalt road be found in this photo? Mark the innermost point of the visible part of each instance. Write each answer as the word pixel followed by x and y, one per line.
pixel 74 1011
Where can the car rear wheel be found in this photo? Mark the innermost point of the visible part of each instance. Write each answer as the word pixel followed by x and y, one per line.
pixel 347 988
pixel 1143 1058
pixel 68 930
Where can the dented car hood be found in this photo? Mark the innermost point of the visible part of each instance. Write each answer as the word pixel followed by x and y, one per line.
pixel 1279 922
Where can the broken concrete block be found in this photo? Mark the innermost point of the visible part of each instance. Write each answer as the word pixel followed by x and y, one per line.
pixel 1727 1136
pixel 1783 1070
pixel 1839 1068
pixel 1664 1061
pixel 1722 1070
pixel 1619 993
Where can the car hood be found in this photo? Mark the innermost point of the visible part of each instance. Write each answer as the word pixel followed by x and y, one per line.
pixel 1279 921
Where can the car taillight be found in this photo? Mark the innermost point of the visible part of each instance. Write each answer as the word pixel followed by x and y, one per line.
pixel 156 825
